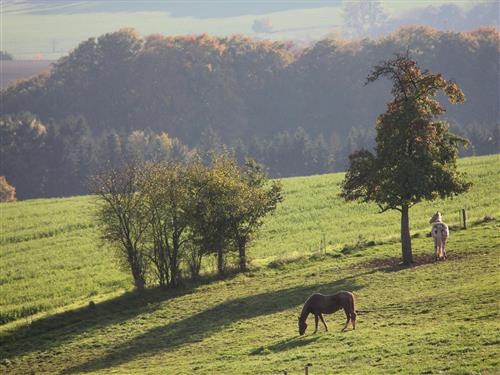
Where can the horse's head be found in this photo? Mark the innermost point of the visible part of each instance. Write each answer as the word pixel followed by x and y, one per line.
pixel 302 326
pixel 436 218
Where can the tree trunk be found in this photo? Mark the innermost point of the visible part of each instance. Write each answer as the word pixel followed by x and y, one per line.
pixel 243 257
pixel 220 261
pixel 405 236
pixel 174 266
pixel 138 277
pixel 139 284
pixel 135 267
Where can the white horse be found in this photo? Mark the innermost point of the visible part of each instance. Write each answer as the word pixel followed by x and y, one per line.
pixel 440 234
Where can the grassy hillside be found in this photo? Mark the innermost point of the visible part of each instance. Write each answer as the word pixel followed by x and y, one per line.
pixel 429 318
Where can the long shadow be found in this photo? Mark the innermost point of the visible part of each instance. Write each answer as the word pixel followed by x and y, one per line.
pixel 197 327
pixel 394 264
pixel 55 330
pixel 288 344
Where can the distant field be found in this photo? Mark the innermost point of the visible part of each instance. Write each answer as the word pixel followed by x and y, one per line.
pixel 435 317
pixel 13 70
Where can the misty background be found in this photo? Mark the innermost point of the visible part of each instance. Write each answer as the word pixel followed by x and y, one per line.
pixel 49 29
pixel 87 82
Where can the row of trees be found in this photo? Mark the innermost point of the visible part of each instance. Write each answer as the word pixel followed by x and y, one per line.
pixel 242 87
pixel 168 98
pixel 163 218
pixel 56 159
pixel 369 18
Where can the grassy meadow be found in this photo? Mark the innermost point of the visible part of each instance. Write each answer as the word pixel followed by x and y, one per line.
pixel 430 318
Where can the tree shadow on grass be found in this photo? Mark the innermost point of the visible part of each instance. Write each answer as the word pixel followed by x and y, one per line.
pixel 197 327
pixel 55 330
pixel 288 344
pixel 394 264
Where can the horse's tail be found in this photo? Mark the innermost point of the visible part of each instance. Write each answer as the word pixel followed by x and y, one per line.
pixel 441 228
pixel 352 314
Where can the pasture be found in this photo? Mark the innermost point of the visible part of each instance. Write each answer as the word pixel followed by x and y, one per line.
pixel 425 319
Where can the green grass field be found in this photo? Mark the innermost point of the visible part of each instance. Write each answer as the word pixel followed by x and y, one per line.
pixel 431 318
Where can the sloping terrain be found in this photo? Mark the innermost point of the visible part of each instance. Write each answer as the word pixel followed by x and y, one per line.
pixel 435 316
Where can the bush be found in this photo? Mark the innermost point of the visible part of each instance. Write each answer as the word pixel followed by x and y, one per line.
pixel 7 191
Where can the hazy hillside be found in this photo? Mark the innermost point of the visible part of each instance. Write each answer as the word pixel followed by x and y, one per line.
pixel 298 111
pixel 241 87
pixel 52 258
pixel 305 21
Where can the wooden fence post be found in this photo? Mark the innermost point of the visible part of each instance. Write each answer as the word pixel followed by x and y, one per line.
pixel 464 218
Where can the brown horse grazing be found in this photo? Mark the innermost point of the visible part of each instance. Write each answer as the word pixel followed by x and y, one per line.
pixel 318 304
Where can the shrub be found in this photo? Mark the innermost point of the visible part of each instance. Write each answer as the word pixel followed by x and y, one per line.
pixel 7 191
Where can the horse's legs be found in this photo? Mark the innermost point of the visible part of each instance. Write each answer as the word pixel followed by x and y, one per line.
pixel 316 323
pixel 436 248
pixel 353 319
pixel 347 321
pixel 323 320
pixel 442 243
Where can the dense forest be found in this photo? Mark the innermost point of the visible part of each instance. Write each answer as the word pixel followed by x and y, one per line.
pixel 297 110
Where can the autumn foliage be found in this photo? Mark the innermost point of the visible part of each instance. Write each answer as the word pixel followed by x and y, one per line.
pixel 415 154
pixel 7 191
pixel 296 109
pixel 163 218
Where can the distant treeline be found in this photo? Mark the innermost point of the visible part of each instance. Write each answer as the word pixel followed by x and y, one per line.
pixel 298 111
pixel 4 55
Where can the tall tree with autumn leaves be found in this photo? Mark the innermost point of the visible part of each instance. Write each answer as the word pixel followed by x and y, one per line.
pixel 415 154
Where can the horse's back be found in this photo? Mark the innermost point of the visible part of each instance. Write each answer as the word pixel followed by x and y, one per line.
pixel 345 296
pixel 440 230
pixel 329 303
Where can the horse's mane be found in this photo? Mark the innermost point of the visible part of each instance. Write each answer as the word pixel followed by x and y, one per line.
pixel 437 218
pixel 306 305
pixel 438 223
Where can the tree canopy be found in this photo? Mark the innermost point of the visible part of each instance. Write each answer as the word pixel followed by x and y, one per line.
pixel 164 217
pixel 240 86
